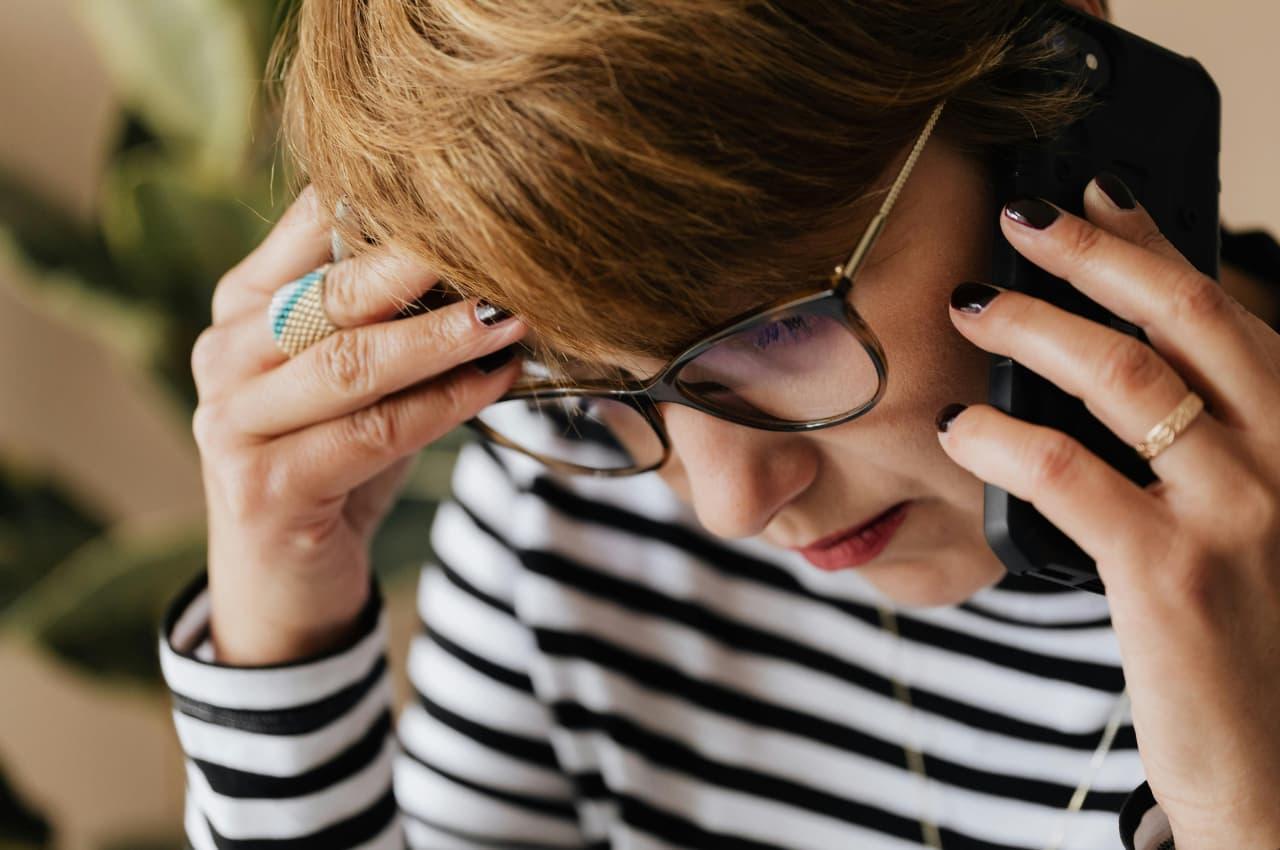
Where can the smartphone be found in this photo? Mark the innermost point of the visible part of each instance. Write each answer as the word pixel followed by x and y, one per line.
pixel 1157 126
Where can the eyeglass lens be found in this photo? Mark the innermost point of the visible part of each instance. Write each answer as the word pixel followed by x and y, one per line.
pixel 797 369
pixel 794 370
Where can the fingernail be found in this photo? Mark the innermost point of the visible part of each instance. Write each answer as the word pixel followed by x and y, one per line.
pixel 946 414
pixel 972 297
pixel 1115 190
pixel 489 314
pixel 1032 212
pixel 494 360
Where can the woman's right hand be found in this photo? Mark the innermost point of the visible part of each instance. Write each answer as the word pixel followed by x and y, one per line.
pixel 303 457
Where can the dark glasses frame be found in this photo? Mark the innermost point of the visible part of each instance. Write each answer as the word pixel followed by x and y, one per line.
pixel 643 396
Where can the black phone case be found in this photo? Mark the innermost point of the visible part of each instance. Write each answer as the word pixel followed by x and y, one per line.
pixel 1157 126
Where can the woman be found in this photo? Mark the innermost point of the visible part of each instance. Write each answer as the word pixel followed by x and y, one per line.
pixel 687 656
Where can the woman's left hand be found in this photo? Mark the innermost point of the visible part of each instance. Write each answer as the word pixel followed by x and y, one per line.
pixel 1191 563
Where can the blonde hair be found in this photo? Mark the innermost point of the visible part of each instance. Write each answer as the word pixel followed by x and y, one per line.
pixel 618 172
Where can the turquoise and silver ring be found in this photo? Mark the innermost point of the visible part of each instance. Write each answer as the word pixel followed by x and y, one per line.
pixel 297 312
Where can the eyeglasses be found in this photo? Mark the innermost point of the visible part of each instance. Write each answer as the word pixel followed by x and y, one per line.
pixel 800 364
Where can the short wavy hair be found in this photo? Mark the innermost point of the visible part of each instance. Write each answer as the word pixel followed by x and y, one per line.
pixel 617 172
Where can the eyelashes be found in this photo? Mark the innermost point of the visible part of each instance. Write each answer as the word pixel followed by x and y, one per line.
pixel 791 329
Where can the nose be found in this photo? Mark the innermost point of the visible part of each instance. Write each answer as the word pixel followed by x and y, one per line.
pixel 737 477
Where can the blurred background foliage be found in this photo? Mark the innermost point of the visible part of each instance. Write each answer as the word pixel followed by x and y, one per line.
pixel 193 181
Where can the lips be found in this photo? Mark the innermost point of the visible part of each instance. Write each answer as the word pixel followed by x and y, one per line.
pixel 832 539
pixel 858 544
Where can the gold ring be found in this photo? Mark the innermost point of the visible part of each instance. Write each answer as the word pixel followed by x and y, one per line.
pixel 1167 430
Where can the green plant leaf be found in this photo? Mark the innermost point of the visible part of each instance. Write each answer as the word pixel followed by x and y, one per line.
pixel 402 542
pixel 50 238
pixel 137 334
pixel 188 67
pixel 40 525
pixel 100 608
pixel 432 470
pixel 400 546
pixel 172 236
pixel 174 239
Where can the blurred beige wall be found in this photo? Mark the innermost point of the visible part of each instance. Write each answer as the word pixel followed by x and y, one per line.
pixel 103 762
pixel 1235 40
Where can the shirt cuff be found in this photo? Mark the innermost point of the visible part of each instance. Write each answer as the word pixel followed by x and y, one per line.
pixel 295 754
pixel 205 688
pixel 1143 824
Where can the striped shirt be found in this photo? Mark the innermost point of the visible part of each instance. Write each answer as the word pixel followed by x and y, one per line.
pixel 594 670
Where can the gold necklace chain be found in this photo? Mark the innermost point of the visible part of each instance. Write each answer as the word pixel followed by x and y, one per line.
pixel 915 760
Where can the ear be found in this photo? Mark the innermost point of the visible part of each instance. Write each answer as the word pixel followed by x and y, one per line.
pixel 1097 8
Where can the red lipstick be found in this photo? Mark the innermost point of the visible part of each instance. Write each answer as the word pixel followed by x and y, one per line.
pixel 858 545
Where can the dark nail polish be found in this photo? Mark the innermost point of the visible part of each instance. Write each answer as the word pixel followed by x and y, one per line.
pixel 972 297
pixel 494 360
pixel 946 414
pixel 1032 212
pixel 1115 189
pixel 490 314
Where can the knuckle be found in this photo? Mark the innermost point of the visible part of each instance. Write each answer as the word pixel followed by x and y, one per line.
pixel 451 397
pixel 206 353
pixel 374 429
pixel 209 424
pixel 338 294
pixel 1153 240
pixel 1128 367
pixel 454 330
pixel 1052 461
pixel 1083 241
pixel 306 204
pixel 1195 297
pixel 221 302
pixel 1256 508
pixel 344 360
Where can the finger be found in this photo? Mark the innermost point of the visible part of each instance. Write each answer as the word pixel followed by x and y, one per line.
pixel 1110 204
pixel 1106 514
pixel 354 367
pixel 296 244
pixel 1127 385
pixel 1186 315
pixel 374 286
pixel 362 290
pixel 225 356
pixel 329 459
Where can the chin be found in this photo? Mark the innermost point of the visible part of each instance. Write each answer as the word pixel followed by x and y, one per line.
pixel 933 583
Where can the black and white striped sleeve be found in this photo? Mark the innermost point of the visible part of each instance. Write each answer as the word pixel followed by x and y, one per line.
pixel 308 754
pixel 290 756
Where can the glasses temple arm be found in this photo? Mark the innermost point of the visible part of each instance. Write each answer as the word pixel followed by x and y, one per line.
pixel 850 266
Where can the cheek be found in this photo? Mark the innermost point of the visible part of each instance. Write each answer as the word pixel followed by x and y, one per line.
pixel 930 363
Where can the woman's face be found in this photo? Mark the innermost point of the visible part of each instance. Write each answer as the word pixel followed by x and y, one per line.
pixel 793 489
